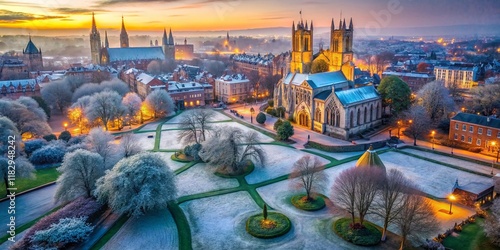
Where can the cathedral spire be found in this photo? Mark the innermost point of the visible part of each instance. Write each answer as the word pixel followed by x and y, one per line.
pixel 312 27
pixel 165 38
pixel 94 27
pixel 343 25
pixel 307 26
pixel 106 42
pixel 123 36
pixel 340 24
pixel 350 25
pixel 170 37
pixel 333 25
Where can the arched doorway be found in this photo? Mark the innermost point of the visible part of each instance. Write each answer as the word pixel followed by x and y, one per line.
pixel 303 119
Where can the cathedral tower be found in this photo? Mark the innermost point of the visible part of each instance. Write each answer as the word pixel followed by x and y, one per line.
pixel 302 48
pixel 341 45
pixel 33 56
pixel 123 36
pixel 95 43
pixel 168 45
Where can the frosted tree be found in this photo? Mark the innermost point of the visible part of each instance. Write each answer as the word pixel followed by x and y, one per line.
pixel 101 142
pixel 132 102
pixel 76 113
pixel 486 99
pixel 25 119
pixel 159 103
pixel 436 100
pixel 416 218
pixel 137 184
pixel 492 223
pixel 79 172
pixel 230 149
pixel 420 122
pixel 57 94
pixel 389 201
pixel 196 126
pixel 105 107
pixel 130 145
pixel 89 89
pixel 308 173
pixel 33 106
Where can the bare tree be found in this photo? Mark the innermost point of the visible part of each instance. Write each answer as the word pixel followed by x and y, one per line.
pixel 57 94
pixel 195 126
pixel 132 103
pixel 159 103
pixel 492 223
pixel 416 218
pixel 389 202
pixel 130 145
pixel 308 173
pixel 486 99
pixel 419 122
pixel 101 142
pixel 436 100
pixel 230 150
pixel 105 106
pixel 355 189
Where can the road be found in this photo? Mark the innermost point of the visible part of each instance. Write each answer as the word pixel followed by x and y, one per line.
pixel 28 207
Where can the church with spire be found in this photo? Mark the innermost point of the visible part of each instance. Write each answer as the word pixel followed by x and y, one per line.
pixel 327 102
pixel 125 55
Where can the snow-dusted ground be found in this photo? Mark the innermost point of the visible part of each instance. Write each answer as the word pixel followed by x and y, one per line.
pixel 169 138
pixel 279 161
pixel 200 178
pixel 432 178
pixel 217 117
pixel 341 156
pixel 450 160
pixel 174 165
pixel 150 126
pixel 155 230
pixel 145 142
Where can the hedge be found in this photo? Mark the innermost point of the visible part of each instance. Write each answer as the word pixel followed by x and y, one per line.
pixel 345 148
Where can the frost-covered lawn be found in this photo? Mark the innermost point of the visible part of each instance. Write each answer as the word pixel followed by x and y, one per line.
pixel 145 142
pixel 217 117
pixel 434 179
pixel 169 138
pixel 155 230
pixel 279 162
pixel 174 165
pixel 150 126
pixel 200 178
pixel 450 160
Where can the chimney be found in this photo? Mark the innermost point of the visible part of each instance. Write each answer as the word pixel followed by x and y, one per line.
pixel 488 119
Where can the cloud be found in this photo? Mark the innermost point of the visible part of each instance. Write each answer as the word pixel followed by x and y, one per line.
pixel 76 11
pixel 271 18
pixel 187 6
pixel 7 16
pixel 20 4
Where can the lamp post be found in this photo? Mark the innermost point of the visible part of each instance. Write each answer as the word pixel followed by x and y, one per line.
pixel 493 147
pixel 251 114
pixel 390 135
pixel 433 133
pixel 451 198
pixel 399 127
pixel 65 126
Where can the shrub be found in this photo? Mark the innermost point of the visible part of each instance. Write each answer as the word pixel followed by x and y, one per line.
pixel 368 235
pixel 282 225
pixel 261 118
pixel 81 207
pixel 74 147
pixel 277 124
pixel 65 136
pixel 76 140
pixel 285 131
pixel 271 111
pixel 475 149
pixel 280 111
pixel 300 201
pixel 50 137
pixel 62 233
pixel 270 103
pixel 32 145
pixel 48 154
pixel 291 118
pixel 192 151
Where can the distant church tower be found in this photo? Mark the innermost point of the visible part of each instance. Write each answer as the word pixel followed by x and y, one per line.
pixel 341 54
pixel 123 36
pixel 33 56
pixel 302 48
pixel 95 43
pixel 168 45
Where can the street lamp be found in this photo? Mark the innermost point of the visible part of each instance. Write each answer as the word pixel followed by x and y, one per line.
pixel 433 133
pixel 493 146
pixel 399 127
pixel 451 198
pixel 65 126
pixel 251 114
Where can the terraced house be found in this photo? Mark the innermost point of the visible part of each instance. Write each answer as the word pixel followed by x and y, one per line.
pixel 479 131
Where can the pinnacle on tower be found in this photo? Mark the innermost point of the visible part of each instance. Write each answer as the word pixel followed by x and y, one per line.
pixel 333 26
pixel 312 27
pixel 164 39
pixel 106 42
pixel 170 37
pixel 94 27
pixel 340 24
pixel 343 25
pixel 350 25
pixel 307 27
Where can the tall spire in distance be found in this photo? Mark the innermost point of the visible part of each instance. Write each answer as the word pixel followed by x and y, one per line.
pixel 165 38
pixel 343 25
pixel 170 37
pixel 307 26
pixel 106 42
pixel 123 36
pixel 312 26
pixel 333 26
pixel 340 24
pixel 350 25
pixel 94 27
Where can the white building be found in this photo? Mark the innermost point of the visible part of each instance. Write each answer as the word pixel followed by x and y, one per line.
pixel 456 76
pixel 232 88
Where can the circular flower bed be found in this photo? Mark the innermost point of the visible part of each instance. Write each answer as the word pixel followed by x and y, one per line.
pixel 276 225
pixel 301 202
pixel 368 235
pixel 180 157
pixel 249 167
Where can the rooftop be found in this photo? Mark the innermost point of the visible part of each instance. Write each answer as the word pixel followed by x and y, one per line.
pixel 135 53
pixel 370 159
pixel 351 96
pixel 316 80
pixel 477 119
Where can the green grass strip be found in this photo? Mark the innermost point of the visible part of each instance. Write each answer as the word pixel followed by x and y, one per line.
pixel 28 225
pixel 110 233
pixel 185 167
pixel 209 194
pixel 183 229
pixel 42 177
pixel 442 163
pixel 451 155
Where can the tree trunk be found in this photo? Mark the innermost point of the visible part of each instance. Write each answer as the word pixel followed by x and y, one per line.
pixel 384 230
pixel 414 141
pixel 403 242
pixel 353 218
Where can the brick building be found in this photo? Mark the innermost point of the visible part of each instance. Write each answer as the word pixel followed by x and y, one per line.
pixel 479 131
pixel 414 80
